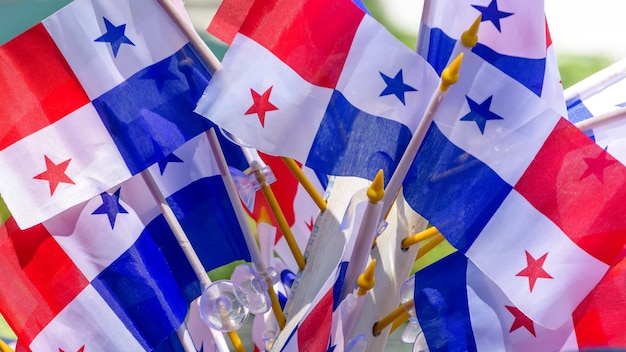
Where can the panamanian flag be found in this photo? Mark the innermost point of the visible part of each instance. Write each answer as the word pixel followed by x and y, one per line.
pixel 299 83
pixel 518 189
pixel 460 308
pixel 513 36
pixel 598 94
pixel 108 274
pixel 92 95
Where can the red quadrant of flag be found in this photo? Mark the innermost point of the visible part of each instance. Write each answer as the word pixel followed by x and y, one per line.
pixel 38 94
pixel 35 273
pixel 293 34
pixel 571 193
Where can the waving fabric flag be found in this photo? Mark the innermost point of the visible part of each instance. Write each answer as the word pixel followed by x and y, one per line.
pixel 326 98
pixel 92 95
pixel 513 36
pixel 598 94
pixel 523 193
pixel 110 268
pixel 467 311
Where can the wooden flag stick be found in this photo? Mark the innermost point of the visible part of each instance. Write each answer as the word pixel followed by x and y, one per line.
pixel 449 76
pixel 601 120
pixel 596 82
pixel 365 235
pixel 418 237
pixel 194 38
pixel 305 182
pixel 253 248
pixel 213 63
pixel 183 242
pixel 179 233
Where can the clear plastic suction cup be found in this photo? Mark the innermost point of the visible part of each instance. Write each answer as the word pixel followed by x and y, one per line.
pixel 256 296
pixel 406 297
pixel 223 306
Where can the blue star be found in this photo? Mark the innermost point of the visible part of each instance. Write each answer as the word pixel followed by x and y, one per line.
pixel 171 158
pixel 115 36
pixel 160 73
pixel 621 105
pixel 396 86
pixel 110 206
pixel 596 166
pixel 480 113
pixel 491 13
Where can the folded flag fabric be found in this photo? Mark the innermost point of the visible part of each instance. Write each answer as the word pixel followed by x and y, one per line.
pixel 321 325
pixel 513 36
pixel 326 98
pixel 109 269
pixel 522 192
pixel 92 95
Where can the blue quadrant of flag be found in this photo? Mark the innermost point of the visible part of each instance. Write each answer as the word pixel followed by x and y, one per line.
pixel 159 117
pixel 351 142
pixel 463 185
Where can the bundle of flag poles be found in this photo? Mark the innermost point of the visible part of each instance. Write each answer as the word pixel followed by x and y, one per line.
pixel 345 185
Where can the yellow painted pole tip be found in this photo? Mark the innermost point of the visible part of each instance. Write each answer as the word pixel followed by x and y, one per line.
pixel 376 191
pixel 450 74
pixel 366 280
pixel 469 38
pixel 263 216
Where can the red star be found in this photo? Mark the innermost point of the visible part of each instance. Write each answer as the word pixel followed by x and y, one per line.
pixel 261 104
pixel 79 350
pixel 597 165
pixel 534 269
pixel 521 320
pixel 309 225
pixel 55 174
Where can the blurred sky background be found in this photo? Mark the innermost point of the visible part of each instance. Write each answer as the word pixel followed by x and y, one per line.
pixel 577 26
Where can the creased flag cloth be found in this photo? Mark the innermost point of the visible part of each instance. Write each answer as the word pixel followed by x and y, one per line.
pixel 326 98
pixel 513 36
pixel 92 95
pixel 522 192
pixel 108 273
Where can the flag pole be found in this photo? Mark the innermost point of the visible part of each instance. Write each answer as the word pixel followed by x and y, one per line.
pixel 601 120
pixel 449 76
pixel 183 242
pixel 214 64
pixel 598 81
pixel 253 248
